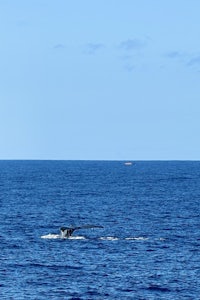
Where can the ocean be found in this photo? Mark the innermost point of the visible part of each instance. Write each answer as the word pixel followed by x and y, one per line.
pixel 147 249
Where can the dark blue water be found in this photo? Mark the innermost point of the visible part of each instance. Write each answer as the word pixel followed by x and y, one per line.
pixel 149 246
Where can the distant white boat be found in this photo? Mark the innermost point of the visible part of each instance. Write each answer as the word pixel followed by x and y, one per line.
pixel 128 163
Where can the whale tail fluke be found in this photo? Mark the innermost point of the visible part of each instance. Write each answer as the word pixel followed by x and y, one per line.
pixel 66 232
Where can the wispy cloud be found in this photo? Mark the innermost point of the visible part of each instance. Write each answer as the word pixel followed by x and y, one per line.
pixel 129 50
pixel 174 54
pixel 194 61
pixel 185 58
pixel 127 62
pixel 59 46
pixel 129 67
pixel 131 44
pixel 92 48
pixel 178 56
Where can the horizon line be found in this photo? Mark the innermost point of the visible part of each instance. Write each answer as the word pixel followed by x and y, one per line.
pixel 116 160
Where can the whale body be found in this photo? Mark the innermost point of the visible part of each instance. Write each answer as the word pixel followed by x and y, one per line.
pixel 66 232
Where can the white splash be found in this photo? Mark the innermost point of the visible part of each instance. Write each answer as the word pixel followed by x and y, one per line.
pixel 58 236
pixel 76 238
pixel 140 238
pixel 109 238
pixel 162 239
pixel 51 236
pixel 105 238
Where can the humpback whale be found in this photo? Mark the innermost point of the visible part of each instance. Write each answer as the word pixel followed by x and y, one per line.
pixel 66 232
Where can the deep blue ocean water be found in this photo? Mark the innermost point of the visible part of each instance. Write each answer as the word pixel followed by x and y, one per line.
pixel 149 247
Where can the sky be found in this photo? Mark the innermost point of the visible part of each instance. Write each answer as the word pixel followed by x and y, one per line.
pixel 100 79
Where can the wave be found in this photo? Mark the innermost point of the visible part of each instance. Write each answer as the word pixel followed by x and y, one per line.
pixel 104 238
pixel 112 238
pixel 140 238
pixel 109 238
pixel 50 236
pixel 58 236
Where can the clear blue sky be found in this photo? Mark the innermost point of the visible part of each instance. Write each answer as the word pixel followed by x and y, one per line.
pixel 100 79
